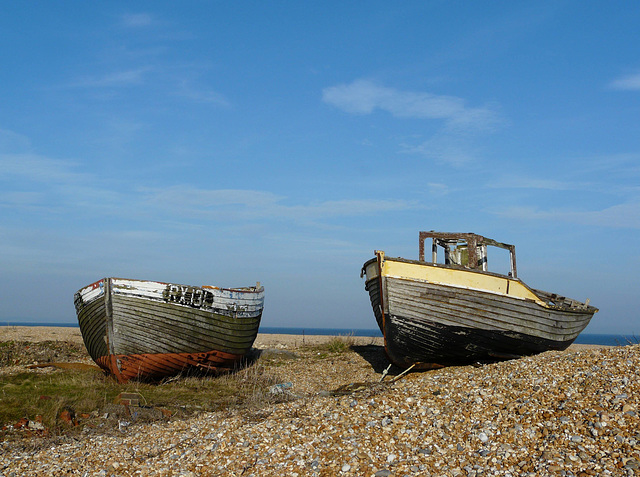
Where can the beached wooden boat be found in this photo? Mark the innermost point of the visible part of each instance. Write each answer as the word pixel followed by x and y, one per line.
pixel 137 329
pixel 437 314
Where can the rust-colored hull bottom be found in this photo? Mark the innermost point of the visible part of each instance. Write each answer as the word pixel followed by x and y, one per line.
pixel 152 367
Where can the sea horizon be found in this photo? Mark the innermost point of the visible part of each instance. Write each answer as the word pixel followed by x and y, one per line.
pixel 616 339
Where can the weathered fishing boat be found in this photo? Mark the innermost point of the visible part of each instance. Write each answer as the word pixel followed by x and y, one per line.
pixel 438 314
pixel 145 330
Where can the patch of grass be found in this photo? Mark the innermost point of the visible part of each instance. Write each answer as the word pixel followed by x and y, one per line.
pixel 247 387
pixel 23 352
pixel 88 394
pixel 274 358
pixel 336 345
pixel 42 397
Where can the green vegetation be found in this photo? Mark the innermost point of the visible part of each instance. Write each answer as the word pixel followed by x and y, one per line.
pixel 87 395
pixel 336 345
pixel 42 397
pixel 52 402
pixel 24 352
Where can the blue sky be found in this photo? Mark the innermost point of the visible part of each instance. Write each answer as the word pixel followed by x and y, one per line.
pixel 227 143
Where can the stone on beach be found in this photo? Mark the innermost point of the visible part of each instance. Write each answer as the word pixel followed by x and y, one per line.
pixel 568 413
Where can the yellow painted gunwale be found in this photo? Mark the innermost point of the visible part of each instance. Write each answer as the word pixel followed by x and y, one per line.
pixel 454 277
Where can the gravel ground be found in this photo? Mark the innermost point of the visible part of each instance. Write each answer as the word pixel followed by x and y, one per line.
pixel 570 413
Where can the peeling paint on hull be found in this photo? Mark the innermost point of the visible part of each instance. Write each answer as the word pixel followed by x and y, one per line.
pixel 157 366
pixel 136 329
pixel 434 315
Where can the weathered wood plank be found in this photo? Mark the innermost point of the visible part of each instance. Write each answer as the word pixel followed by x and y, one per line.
pixel 158 328
pixel 471 308
pixel 432 321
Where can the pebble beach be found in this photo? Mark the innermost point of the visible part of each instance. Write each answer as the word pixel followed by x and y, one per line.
pixel 571 413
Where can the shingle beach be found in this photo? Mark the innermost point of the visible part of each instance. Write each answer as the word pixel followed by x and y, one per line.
pixel 572 413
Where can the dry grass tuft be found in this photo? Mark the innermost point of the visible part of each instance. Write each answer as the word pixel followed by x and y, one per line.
pixel 23 352
pixel 336 345
pixel 87 395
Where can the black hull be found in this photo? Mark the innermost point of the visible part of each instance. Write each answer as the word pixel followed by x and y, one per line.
pixel 437 331
pixel 427 344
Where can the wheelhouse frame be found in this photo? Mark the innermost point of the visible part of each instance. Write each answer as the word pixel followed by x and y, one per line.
pixel 467 250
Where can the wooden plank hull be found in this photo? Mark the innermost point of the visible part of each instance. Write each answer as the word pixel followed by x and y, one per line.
pixel 136 329
pixel 432 315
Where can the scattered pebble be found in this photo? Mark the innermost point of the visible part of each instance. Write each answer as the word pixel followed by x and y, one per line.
pixel 559 413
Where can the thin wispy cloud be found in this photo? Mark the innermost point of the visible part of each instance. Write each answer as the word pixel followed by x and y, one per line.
pixel 124 78
pixel 34 183
pixel 136 20
pixel 189 197
pixel 626 215
pixel 455 141
pixel 614 166
pixel 11 141
pixel 192 93
pixel 39 169
pixel 519 182
pixel 238 205
pixel 44 181
pixel 626 83
pixel 349 208
pixel 445 147
pixel 437 189
pixel 21 200
pixel 364 97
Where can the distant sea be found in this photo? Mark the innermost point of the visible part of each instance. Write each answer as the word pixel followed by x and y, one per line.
pixel 584 338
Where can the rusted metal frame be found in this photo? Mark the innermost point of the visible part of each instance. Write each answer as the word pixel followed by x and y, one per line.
pixel 421 238
pixel 472 250
pixel 446 237
pixel 464 236
pixel 512 255
pixel 506 246
pixel 472 240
